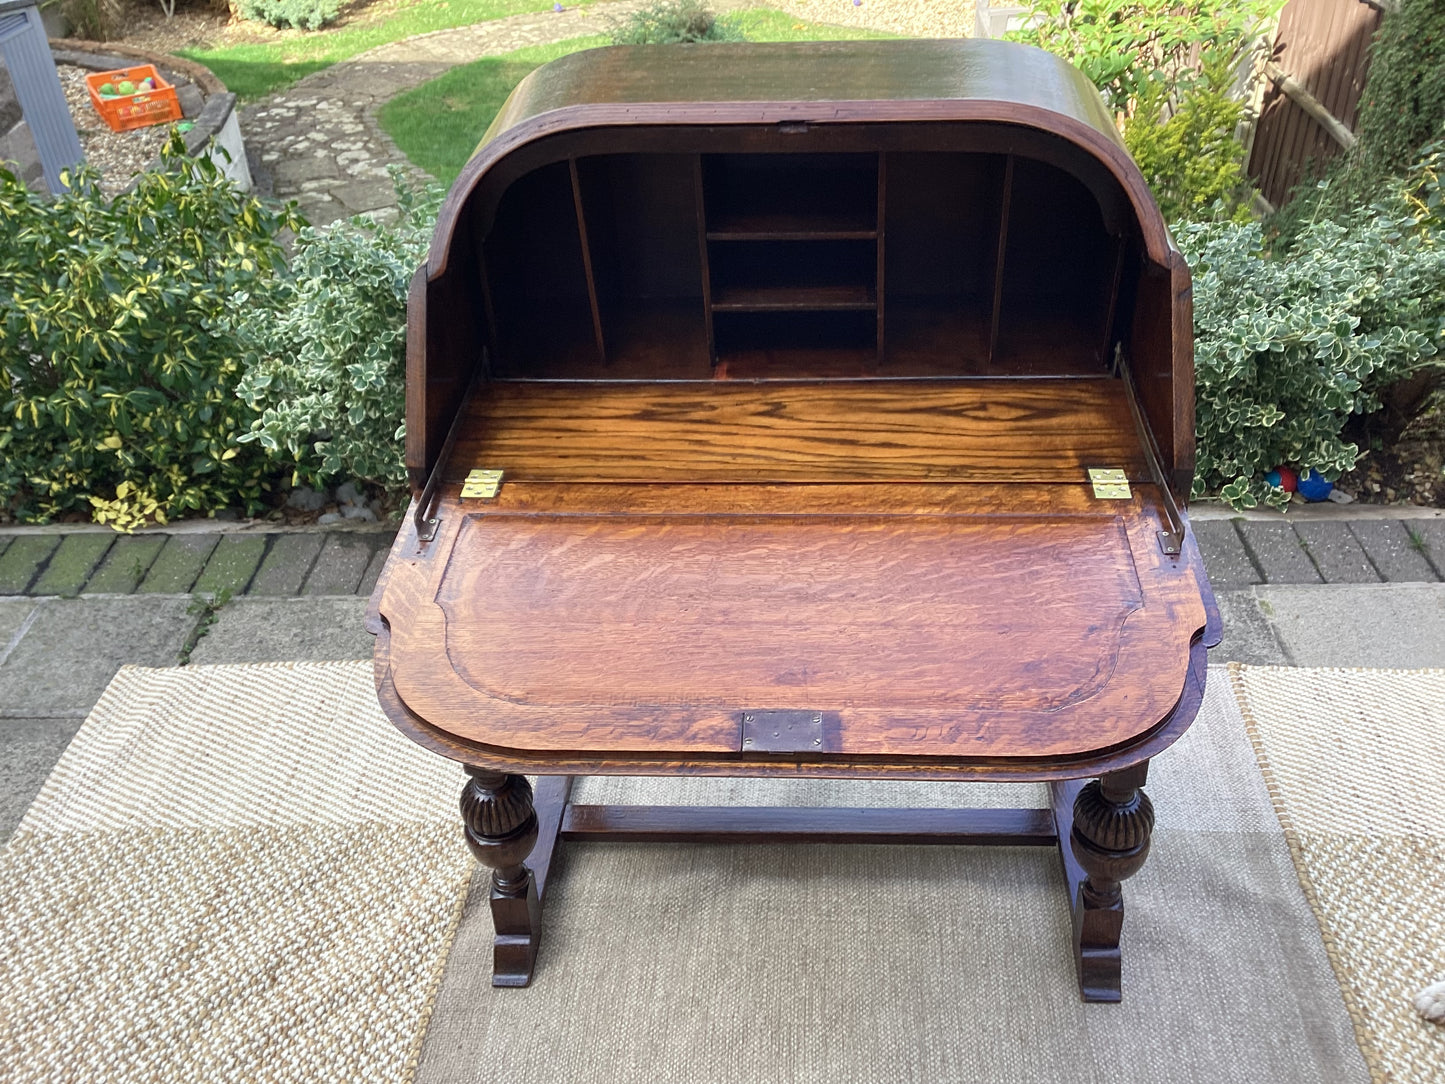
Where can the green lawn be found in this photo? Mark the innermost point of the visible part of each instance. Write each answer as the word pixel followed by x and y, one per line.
pixel 255 70
pixel 438 124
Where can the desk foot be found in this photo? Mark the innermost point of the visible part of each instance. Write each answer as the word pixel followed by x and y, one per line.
pixel 501 828
pixel 1112 823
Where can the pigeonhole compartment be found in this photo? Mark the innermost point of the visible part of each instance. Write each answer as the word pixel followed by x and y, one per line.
pixel 950 212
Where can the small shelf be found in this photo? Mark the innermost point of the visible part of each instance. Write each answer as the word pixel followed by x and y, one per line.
pixel 792 226
pixel 793 298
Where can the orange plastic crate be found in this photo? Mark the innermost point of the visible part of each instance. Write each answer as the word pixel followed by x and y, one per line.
pixel 139 110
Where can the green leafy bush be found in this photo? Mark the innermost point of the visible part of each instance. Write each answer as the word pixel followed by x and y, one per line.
pixel 302 14
pixel 1165 69
pixel 1424 189
pixel 1123 45
pixel 117 372
pixel 1193 163
pixel 673 22
pixel 1403 104
pixel 325 362
pixel 1287 347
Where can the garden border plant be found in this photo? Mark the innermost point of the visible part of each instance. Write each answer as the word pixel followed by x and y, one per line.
pixel 119 373
pixel 1166 71
pixel 1289 345
pixel 325 355
pixel 1402 109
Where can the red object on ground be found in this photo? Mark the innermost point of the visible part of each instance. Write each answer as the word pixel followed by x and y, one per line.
pixel 1288 480
pixel 139 110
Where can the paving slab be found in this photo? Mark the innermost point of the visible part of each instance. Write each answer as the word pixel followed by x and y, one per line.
pixel 1277 551
pixel 1225 558
pixel 73 647
pixel 1248 635
pixel 286 564
pixel 22 559
pixel 13 614
pixel 1431 533
pixel 231 565
pixel 255 629
pixel 1368 624
pixel 1336 552
pixel 72 563
pixel 179 563
pixel 343 561
pixel 1393 550
pixel 126 564
pixel 29 749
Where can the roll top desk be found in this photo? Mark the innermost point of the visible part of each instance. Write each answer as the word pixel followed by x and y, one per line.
pixel 800 410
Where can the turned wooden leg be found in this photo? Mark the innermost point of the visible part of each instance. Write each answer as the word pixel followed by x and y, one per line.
pixel 1113 819
pixel 501 828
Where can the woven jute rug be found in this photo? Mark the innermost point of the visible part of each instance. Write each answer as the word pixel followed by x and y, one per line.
pixel 243 873
pixel 235 873
pixel 834 965
pixel 1355 764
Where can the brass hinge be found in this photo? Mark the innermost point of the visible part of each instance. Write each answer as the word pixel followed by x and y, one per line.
pixel 1110 484
pixel 481 484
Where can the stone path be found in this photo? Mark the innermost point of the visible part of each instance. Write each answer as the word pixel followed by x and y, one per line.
pixel 1352 548
pixel 319 141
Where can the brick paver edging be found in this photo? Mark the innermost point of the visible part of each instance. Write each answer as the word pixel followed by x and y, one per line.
pixel 279 564
pixel 1237 552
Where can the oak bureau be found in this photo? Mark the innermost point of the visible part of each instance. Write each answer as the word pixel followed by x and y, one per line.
pixel 800 410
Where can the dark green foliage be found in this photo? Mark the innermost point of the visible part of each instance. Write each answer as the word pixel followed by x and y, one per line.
pixel 302 14
pixel 1424 189
pixel 117 371
pixel 1403 106
pixel 673 22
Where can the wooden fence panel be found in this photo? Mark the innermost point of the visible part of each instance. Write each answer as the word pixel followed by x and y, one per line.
pixel 1320 57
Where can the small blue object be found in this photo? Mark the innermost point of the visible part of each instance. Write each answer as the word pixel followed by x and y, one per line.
pixel 1313 487
pixel 857 3
pixel 556 7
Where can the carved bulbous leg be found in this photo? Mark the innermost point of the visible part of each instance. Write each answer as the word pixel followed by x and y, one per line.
pixel 501 829
pixel 1113 821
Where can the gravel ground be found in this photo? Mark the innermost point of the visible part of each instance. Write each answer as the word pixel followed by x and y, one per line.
pixel 912 18
pixel 118 155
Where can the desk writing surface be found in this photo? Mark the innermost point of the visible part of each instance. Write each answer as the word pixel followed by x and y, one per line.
pixel 584 609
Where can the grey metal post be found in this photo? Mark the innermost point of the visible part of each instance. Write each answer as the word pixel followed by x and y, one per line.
pixel 26 50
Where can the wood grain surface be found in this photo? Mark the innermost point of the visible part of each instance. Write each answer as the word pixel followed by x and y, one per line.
pixel 790 612
pixel 900 431
pixel 967 632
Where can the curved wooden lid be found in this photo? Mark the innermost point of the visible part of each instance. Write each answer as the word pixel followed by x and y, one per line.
pixel 813 82
pixel 826 71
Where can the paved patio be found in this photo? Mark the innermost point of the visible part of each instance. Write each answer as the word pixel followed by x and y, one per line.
pixel 1341 587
